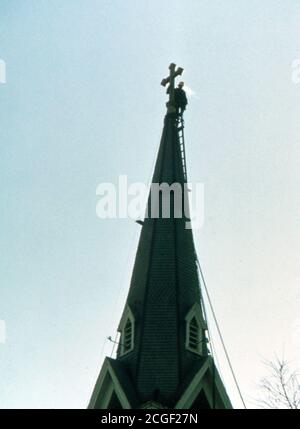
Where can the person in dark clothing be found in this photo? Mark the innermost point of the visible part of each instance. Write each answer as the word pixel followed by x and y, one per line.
pixel 180 99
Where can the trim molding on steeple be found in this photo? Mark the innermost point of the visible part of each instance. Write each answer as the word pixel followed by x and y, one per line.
pixel 207 379
pixel 107 384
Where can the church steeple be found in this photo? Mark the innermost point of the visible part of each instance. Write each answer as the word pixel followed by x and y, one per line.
pixel 163 358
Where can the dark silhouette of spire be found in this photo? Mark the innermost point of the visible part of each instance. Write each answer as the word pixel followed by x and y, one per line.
pixel 163 344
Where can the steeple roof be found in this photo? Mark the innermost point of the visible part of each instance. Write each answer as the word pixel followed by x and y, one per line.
pixel 164 287
pixel 164 293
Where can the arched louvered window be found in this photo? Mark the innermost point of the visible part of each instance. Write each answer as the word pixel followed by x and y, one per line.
pixel 195 330
pixel 194 335
pixel 126 329
pixel 127 336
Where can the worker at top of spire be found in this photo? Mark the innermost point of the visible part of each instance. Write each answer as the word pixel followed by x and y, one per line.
pixel 180 98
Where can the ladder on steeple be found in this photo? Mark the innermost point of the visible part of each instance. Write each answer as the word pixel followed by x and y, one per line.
pixel 180 129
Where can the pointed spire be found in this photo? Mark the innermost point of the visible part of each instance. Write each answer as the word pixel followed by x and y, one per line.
pixel 164 285
pixel 163 343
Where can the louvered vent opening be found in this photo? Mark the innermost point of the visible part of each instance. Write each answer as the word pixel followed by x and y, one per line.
pixel 127 337
pixel 194 337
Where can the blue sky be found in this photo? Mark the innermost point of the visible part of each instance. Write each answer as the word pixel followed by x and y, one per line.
pixel 82 105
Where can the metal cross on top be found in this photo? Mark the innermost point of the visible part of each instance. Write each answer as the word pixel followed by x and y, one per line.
pixel 171 80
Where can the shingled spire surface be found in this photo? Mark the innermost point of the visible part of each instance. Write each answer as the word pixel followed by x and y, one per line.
pixel 159 368
pixel 163 288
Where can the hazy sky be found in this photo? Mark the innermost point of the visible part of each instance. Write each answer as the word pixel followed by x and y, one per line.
pixel 82 105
